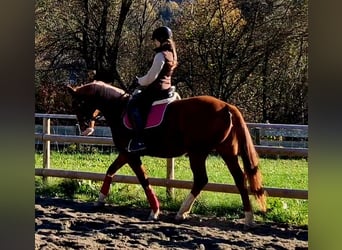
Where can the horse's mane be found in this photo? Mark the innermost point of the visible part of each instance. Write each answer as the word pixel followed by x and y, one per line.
pixel 103 88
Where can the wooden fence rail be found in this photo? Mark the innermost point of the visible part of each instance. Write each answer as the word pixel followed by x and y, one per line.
pixel 215 187
pixel 46 137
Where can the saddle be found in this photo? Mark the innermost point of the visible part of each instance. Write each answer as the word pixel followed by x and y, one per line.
pixel 156 114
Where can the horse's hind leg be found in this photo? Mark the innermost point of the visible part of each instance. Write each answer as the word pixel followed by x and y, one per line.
pixel 232 161
pixel 197 164
pixel 112 169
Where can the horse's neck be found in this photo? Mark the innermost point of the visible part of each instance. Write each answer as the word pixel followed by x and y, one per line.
pixel 110 100
pixel 112 109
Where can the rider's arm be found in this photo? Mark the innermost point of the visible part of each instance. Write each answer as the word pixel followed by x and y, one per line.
pixel 90 130
pixel 152 74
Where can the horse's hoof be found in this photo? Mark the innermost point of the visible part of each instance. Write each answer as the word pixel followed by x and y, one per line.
pixel 178 218
pixel 153 216
pixel 99 204
pixel 250 225
pixel 181 217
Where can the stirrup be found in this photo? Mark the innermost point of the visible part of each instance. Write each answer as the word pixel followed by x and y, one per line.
pixel 134 145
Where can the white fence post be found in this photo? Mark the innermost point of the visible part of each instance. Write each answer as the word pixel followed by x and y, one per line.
pixel 46 145
pixel 170 175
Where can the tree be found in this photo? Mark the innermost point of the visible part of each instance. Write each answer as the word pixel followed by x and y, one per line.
pixel 250 53
pixel 244 51
pixel 280 83
pixel 81 35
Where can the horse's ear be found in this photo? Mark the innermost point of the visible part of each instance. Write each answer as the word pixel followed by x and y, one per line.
pixel 71 90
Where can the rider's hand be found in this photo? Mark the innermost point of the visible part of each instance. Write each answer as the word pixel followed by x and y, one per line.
pixel 134 85
pixel 88 131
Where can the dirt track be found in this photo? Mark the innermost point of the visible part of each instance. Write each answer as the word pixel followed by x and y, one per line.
pixel 66 224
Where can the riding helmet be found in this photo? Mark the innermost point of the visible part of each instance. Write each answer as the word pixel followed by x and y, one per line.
pixel 161 34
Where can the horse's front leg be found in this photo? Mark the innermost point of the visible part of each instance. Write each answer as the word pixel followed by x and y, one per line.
pixel 113 168
pixel 200 179
pixel 140 172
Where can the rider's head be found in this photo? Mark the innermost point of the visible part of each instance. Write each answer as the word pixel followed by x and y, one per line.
pixel 162 37
pixel 162 34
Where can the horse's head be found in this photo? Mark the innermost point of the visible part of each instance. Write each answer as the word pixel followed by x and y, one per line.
pixel 82 106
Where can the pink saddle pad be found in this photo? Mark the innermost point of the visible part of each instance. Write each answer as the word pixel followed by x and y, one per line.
pixel 154 118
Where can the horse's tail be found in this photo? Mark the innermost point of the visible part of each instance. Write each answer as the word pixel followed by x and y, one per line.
pixel 250 159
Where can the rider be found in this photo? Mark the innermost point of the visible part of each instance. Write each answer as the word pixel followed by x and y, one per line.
pixel 155 85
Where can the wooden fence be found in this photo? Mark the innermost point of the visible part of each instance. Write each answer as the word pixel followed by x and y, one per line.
pixel 257 130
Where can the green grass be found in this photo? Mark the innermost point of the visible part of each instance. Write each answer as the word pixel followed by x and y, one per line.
pixel 280 173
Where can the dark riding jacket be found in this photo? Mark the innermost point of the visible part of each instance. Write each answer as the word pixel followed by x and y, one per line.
pixel 163 80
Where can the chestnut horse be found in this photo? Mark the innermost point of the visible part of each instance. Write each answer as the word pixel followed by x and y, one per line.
pixel 194 126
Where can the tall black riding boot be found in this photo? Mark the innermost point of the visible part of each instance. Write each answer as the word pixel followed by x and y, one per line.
pixel 136 143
